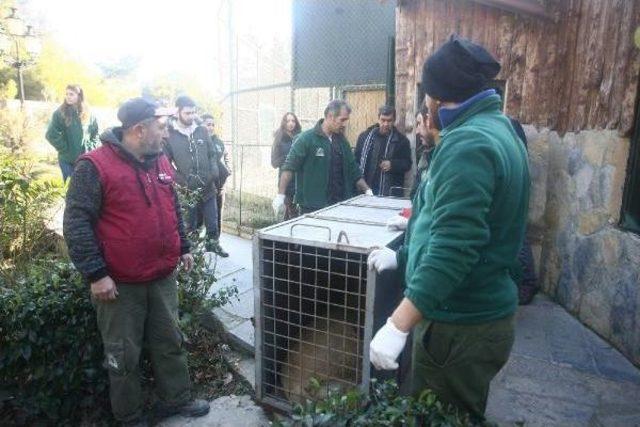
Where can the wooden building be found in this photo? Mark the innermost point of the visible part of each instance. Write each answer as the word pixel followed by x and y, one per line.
pixel 571 71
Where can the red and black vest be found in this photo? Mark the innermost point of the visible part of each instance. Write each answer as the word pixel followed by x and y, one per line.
pixel 138 226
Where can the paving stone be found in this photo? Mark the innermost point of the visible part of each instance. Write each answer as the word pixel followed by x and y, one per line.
pixel 226 411
pixel 228 319
pixel 242 279
pixel 244 365
pixel 611 364
pixel 544 394
pixel 243 334
pixel 243 306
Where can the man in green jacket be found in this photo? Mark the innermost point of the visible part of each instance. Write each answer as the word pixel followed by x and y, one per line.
pixel 468 224
pixel 322 159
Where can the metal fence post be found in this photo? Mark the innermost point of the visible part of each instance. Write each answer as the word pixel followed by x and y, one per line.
pixel 240 192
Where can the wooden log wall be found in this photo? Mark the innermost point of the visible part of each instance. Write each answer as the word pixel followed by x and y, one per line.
pixel 578 69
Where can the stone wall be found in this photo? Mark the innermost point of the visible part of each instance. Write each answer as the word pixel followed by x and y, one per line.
pixel 585 260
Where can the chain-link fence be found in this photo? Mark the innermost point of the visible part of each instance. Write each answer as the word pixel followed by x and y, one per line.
pixel 250 188
pixel 297 63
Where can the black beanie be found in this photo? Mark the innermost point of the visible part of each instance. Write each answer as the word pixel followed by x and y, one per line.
pixel 458 70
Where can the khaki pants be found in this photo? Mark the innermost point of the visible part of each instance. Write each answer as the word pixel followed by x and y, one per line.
pixel 458 362
pixel 143 314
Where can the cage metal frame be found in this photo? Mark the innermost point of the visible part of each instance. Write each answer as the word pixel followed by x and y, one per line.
pixel 371 286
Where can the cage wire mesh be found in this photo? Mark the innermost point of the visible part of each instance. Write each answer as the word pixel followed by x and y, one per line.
pixel 314 302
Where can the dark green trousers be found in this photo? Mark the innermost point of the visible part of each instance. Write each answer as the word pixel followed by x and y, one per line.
pixel 458 362
pixel 143 315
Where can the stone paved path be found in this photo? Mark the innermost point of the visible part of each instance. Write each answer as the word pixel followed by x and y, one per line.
pixel 226 411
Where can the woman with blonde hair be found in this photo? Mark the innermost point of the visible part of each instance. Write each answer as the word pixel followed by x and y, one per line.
pixel 73 130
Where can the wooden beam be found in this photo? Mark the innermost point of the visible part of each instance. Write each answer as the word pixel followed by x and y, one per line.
pixel 529 7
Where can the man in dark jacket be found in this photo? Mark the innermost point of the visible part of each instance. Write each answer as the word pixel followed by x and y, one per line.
pixel 194 156
pixel 125 235
pixel 384 155
pixel 224 169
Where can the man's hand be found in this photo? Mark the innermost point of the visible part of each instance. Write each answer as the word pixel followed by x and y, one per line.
pixel 278 205
pixel 386 346
pixel 397 222
pixel 385 165
pixel 382 259
pixel 187 262
pixel 104 289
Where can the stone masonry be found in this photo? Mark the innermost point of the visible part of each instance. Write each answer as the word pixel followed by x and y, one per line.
pixel 587 262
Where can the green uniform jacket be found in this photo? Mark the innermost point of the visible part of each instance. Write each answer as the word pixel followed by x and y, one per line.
pixel 310 159
pixel 73 140
pixel 468 221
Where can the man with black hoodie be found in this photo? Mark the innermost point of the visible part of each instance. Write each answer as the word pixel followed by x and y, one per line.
pixel 125 235
pixel 384 155
pixel 195 158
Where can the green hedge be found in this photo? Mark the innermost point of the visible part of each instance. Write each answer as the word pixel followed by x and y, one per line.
pixel 50 347
pixel 383 406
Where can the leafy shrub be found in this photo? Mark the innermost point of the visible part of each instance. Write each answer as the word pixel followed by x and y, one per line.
pixel 384 406
pixel 51 352
pixel 25 207
pixel 196 293
pixel 20 128
pixel 50 348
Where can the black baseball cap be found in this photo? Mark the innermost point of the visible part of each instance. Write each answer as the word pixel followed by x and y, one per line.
pixel 136 110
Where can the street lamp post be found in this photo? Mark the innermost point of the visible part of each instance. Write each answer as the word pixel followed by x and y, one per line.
pixel 14 36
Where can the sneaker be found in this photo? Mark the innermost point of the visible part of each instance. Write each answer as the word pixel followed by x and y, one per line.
pixel 192 409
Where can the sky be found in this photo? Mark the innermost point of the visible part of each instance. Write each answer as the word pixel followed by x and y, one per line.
pixel 168 37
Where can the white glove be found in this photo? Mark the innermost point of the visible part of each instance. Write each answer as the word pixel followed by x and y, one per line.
pixel 386 346
pixel 397 222
pixel 278 204
pixel 382 259
pixel 369 192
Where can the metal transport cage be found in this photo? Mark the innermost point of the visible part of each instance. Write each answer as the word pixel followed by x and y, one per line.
pixel 316 303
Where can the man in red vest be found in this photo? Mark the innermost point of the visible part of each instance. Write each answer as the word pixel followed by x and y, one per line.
pixel 125 234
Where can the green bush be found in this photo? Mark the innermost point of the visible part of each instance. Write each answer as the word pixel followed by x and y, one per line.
pixel 196 293
pixel 50 348
pixel 51 356
pixel 21 130
pixel 384 406
pixel 25 207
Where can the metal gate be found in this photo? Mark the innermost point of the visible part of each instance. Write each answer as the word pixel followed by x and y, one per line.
pixel 317 304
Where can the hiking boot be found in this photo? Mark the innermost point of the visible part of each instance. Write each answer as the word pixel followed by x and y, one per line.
pixel 194 408
pixel 210 245
pixel 219 251
pixel 214 246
